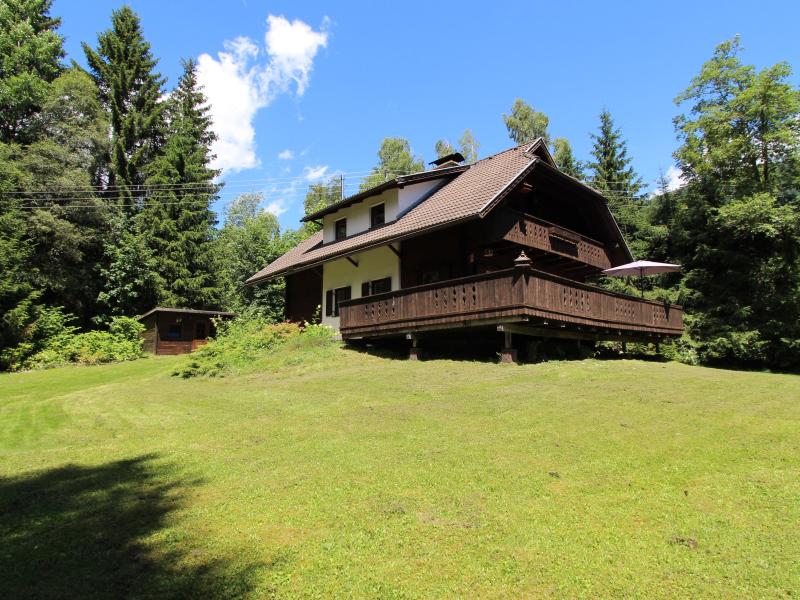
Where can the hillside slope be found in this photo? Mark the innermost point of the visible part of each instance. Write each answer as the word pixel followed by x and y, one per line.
pixel 360 476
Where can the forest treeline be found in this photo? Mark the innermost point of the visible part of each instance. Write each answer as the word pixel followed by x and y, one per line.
pixel 107 188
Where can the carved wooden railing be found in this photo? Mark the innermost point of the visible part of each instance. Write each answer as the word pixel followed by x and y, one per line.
pixel 521 292
pixel 537 233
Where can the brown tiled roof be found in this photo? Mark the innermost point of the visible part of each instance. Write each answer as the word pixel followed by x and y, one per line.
pixel 470 195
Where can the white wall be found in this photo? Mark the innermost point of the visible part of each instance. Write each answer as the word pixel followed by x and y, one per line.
pixel 372 264
pixel 410 194
pixel 358 218
pixel 396 201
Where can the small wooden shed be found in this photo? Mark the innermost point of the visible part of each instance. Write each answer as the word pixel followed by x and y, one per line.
pixel 178 330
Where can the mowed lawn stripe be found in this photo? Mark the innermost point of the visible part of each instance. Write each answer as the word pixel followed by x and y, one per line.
pixel 369 477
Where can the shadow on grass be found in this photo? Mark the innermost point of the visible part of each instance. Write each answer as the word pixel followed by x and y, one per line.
pixel 81 532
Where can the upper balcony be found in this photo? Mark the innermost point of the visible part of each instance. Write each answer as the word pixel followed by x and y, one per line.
pixel 532 232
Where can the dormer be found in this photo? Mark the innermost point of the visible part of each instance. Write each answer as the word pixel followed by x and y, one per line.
pixel 382 204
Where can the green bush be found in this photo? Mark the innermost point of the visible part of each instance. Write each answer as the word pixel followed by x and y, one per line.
pixel 55 343
pixel 245 342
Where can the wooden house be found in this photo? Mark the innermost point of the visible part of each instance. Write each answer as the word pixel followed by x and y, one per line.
pixel 507 245
pixel 178 330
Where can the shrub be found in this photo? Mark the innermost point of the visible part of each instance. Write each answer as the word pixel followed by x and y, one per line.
pixel 121 342
pixel 242 342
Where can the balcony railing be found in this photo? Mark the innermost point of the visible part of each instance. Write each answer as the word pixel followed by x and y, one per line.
pixel 533 232
pixel 522 294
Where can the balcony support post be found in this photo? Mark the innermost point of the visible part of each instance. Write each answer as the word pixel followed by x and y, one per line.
pixel 413 352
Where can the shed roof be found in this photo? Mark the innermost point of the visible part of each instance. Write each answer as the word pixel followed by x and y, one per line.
pixel 188 311
pixel 471 194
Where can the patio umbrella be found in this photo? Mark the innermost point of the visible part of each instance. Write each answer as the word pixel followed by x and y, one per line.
pixel 642 268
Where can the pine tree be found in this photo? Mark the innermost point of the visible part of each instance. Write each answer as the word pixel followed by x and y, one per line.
pixel 131 89
pixel 565 159
pixel 612 174
pixel 30 55
pixel 177 221
pixel 30 58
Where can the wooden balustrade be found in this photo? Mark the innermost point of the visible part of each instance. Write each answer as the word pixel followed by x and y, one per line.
pixel 521 293
pixel 537 233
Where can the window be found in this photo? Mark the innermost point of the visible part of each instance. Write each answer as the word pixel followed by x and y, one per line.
pixel 333 298
pixel 341 230
pixel 380 286
pixel 377 286
pixel 200 330
pixel 377 215
pixel 174 332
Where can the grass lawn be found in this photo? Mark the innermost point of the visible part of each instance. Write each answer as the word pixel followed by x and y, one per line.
pixel 365 477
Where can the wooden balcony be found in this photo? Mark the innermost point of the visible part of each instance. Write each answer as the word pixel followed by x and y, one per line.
pixel 532 232
pixel 542 302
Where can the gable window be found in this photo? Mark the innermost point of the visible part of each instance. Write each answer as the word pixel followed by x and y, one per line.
pixel 377 215
pixel 333 298
pixel 377 286
pixel 340 231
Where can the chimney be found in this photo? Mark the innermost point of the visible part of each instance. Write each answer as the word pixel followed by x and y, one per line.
pixel 450 160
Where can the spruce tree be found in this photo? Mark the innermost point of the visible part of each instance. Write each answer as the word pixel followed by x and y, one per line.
pixel 177 221
pixel 131 89
pixel 612 174
pixel 30 58
pixel 565 159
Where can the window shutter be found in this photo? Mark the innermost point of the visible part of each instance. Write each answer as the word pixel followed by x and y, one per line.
pixel 328 303
pixel 365 289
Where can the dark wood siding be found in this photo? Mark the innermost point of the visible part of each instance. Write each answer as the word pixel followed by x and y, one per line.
pixel 303 295
pixel 176 333
pixel 523 295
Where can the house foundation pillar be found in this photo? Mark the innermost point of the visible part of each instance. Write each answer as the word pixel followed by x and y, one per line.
pixel 508 354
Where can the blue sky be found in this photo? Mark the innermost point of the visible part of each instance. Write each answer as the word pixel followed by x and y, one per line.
pixel 325 82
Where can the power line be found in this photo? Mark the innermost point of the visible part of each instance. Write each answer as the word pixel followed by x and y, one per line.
pixel 175 186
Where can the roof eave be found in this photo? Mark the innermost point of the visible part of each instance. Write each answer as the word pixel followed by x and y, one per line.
pixel 369 246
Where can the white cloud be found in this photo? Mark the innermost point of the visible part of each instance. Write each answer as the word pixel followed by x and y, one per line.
pixel 291 48
pixel 277 208
pixel 674 177
pixel 286 155
pixel 245 78
pixel 315 173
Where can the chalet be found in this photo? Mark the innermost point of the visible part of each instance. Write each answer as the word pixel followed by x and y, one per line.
pixel 506 244
pixel 178 330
